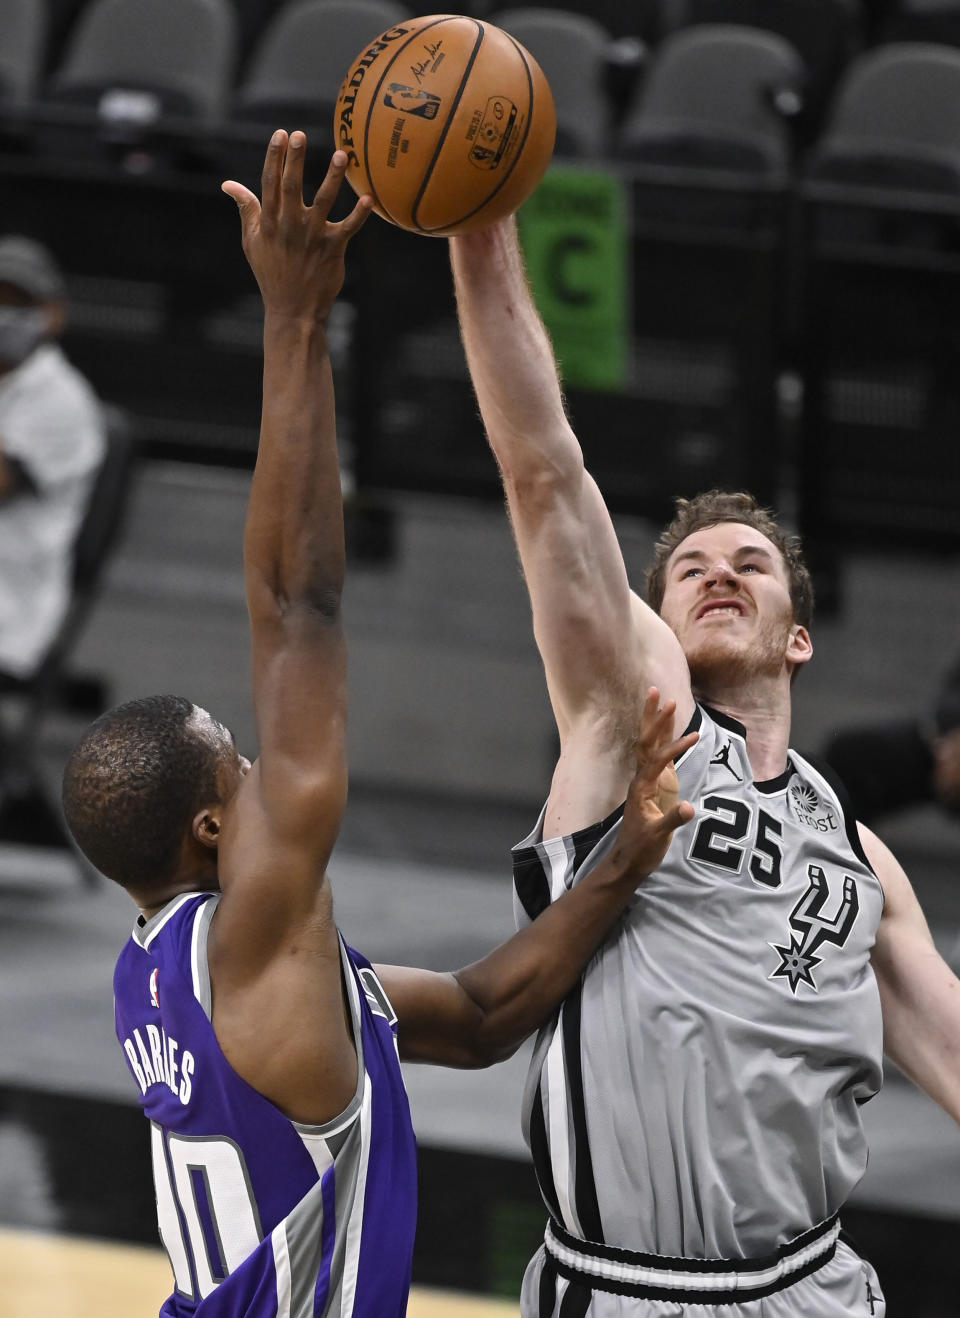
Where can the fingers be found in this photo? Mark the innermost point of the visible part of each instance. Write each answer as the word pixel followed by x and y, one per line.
pixel 273 169
pixel 291 177
pixel 247 203
pixel 327 192
pixel 655 746
pixel 677 816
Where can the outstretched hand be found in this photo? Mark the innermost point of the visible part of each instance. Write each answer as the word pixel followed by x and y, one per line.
pixel 652 810
pixel 295 251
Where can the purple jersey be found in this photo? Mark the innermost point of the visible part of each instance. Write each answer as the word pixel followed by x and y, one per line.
pixel 261 1216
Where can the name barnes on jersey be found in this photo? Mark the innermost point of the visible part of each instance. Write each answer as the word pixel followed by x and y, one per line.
pixel 158 1064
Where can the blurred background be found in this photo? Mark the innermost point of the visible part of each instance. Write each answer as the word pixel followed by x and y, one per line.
pixel 747 251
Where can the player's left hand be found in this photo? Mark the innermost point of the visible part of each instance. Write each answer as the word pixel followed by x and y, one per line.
pixel 295 251
pixel 652 810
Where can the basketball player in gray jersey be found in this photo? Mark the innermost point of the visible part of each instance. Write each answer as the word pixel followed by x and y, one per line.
pixel 693 1109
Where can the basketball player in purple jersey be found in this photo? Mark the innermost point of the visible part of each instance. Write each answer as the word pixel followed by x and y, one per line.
pixel 265 1050
pixel 694 1108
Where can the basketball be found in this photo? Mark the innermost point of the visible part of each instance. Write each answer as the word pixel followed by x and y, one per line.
pixel 448 124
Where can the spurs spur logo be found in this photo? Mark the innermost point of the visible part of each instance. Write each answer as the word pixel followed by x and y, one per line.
pixel 812 929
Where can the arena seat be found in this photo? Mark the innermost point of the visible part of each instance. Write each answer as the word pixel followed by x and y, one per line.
pixel 294 73
pixel 717 97
pixel 826 34
pixel 878 239
pixel 299 60
pixel 141 81
pixel 181 51
pixel 895 121
pixel 25 28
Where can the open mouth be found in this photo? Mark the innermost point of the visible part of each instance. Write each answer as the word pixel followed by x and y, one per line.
pixel 722 608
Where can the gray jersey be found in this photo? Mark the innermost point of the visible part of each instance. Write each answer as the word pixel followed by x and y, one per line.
pixel 698 1094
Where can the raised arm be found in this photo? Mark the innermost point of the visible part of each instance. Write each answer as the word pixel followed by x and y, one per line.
pixel 482 1013
pixel 601 645
pixel 274 955
pixel 919 992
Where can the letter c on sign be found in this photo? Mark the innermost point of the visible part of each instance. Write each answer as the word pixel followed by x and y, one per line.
pixel 558 270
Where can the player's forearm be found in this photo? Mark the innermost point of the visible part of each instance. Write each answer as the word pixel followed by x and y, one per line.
pixel 518 986
pixel 293 542
pixel 510 357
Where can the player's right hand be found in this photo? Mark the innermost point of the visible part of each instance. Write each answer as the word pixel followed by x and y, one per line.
pixel 652 810
pixel 294 250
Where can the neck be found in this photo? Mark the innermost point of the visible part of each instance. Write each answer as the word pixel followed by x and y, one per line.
pixel 764 710
pixel 154 900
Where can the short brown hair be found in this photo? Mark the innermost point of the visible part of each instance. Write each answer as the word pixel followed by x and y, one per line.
pixel 722 506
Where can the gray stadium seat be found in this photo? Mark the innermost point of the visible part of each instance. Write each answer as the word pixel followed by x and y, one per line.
pixel 182 53
pixel 299 60
pixel 895 122
pixel 572 50
pixel 24 24
pixel 717 97
pixel 826 34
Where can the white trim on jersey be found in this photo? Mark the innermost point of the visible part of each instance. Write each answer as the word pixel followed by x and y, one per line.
pixel 558 1120
pixel 199 989
pixel 145 939
pixel 281 1262
pixel 557 854
pixel 353 1237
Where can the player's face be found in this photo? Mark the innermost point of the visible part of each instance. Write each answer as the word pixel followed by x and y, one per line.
pixel 727 599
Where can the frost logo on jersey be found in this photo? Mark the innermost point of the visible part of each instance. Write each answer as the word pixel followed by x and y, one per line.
pixel 812 929
pixel 806 803
pixel 155 1000
pixel 722 758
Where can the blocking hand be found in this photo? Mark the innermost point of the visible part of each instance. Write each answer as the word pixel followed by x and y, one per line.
pixel 652 810
pixel 294 250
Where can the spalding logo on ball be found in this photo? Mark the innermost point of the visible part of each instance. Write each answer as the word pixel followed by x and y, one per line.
pixel 448 124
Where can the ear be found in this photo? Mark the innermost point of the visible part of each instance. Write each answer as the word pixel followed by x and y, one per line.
pixel 206 826
pixel 800 646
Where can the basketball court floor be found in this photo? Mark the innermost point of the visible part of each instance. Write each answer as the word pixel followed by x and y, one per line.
pixel 451 745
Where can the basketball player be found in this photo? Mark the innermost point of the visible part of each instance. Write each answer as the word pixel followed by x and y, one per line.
pixel 693 1109
pixel 265 1050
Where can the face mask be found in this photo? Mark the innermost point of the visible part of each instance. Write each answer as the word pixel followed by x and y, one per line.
pixel 21 330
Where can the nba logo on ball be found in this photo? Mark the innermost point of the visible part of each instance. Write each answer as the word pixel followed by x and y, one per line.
pixel 448 124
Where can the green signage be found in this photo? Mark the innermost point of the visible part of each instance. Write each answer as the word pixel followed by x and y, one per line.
pixel 575 235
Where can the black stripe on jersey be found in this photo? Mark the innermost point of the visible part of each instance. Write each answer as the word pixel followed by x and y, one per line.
pixel 696 718
pixel 540 1152
pixel 576 1302
pixel 531 882
pixel 725 721
pixel 846 807
pixel 547 1290
pixel 586 839
pixel 585 1189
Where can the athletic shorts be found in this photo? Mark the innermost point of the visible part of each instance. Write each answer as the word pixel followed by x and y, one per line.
pixel 823 1278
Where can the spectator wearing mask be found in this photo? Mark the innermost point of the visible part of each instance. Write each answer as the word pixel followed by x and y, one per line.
pixel 52 441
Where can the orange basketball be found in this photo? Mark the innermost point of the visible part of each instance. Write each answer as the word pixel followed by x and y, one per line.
pixel 448 122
